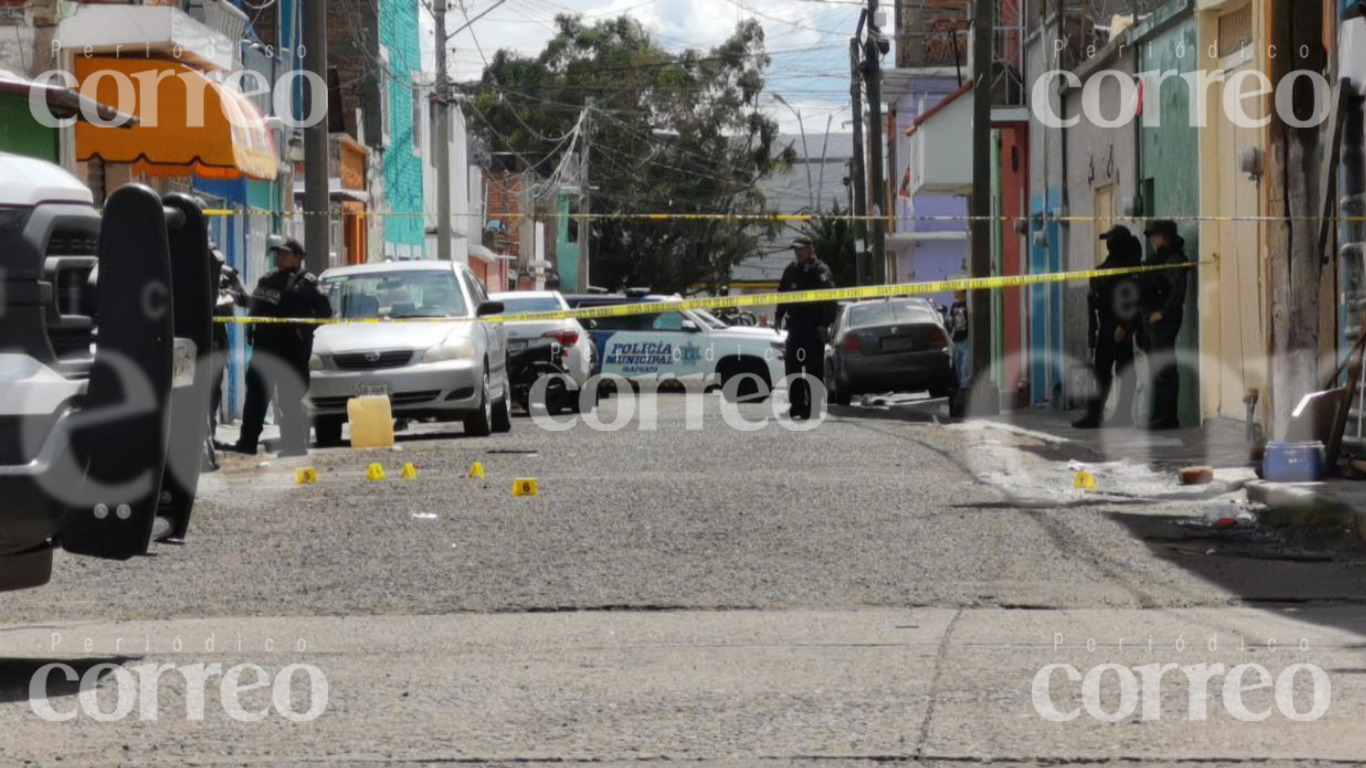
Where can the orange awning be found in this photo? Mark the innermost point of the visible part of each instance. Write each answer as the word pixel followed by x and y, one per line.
pixel 228 141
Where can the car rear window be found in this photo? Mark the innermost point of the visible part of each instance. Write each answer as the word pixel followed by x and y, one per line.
pixel 885 312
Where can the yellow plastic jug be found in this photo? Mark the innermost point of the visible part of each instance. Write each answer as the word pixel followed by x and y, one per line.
pixel 372 422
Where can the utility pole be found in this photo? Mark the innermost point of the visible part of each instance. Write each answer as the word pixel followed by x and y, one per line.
pixel 872 62
pixel 441 131
pixel 979 307
pixel 858 179
pixel 586 198
pixel 317 196
pixel 441 137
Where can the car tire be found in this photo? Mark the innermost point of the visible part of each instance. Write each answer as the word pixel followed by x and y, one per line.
pixel 480 423
pixel 834 394
pixel 328 431
pixel 747 388
pixel 502 415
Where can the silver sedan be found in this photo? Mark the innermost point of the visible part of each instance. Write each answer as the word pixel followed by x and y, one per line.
pixel 423 345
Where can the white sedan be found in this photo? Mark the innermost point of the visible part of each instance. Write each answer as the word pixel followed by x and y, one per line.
pixel 576 346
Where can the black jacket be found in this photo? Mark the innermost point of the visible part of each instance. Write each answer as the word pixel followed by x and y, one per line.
pixel 812 276
pixel 288 295
pixel 1113 302
pixel 1165 291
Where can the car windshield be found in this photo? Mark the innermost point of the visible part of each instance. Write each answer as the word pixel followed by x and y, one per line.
pixel 396 295
pixel 883 312
pixel 517 305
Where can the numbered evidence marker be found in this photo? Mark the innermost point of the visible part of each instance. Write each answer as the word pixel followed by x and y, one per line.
pixel 305 476
pixel 525 487
pixel 374 474
pixel 1085 481
pixel 477 471
pixel 409 471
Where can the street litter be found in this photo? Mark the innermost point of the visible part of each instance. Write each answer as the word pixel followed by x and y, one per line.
pixel 424 516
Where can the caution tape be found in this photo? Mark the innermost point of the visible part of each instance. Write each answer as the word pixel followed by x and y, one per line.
pixel 800 218
pixel 749 300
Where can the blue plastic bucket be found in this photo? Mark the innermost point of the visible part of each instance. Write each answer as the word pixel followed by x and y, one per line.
pixel 1294 462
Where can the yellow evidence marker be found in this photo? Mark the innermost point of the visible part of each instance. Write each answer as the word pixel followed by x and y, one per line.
pixel 477 471
pixel 525 487
pixel 1084 481
pixel 305 476
pixel 374 474
pixel 409 471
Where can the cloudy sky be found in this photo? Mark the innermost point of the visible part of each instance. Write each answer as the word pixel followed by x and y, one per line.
pixel 808 41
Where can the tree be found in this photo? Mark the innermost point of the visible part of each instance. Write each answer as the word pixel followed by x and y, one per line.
pixel 677 134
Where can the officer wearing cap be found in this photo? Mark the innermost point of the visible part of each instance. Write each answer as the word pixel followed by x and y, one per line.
pixel 1164 302
pixel 1113 306
pixel 280 351
pixel 807 325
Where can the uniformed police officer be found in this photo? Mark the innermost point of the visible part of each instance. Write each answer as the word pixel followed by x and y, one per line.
pixel 1164 303
pixel 807 325
pixel 280 351
pixel 1113 307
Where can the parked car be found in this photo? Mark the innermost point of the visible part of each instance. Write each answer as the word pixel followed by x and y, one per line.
pixel 575 346
pixel 686 345
pixel 103 403
pixel 888 345
pixel 427 348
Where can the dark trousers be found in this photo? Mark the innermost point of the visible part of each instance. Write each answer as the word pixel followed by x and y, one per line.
pixel 280 374
pixel 1165 377
pixel 805 354
pixel 1113 359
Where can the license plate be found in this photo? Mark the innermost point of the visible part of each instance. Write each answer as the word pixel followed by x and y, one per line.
pixel 898 344
pixel 373 389
pixel 517 346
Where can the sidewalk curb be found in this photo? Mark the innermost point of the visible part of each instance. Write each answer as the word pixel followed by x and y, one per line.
pixel 1306 505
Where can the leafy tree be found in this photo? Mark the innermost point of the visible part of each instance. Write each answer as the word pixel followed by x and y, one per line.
pixel 670 133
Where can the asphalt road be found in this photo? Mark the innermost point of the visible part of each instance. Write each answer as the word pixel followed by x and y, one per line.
pixel 878 588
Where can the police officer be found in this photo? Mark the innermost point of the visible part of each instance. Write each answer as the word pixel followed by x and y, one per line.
pixel 280 351
pixel 1112 308
pixel 807 325
pixel 1164 302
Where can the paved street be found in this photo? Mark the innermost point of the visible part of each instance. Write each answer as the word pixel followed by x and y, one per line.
pixel 883 587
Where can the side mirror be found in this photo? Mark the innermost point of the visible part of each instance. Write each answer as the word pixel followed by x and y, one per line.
pixel 490 308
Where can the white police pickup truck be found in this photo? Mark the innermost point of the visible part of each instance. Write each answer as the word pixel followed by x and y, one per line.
pixel 687 345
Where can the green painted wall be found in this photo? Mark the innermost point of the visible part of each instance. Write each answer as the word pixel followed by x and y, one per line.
pixel 20 134
pixel 1169 167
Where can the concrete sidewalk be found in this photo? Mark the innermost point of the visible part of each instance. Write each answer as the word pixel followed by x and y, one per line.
pixel 931 685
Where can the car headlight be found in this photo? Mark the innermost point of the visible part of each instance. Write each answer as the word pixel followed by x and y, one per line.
pixel 450 349
pixel 315 363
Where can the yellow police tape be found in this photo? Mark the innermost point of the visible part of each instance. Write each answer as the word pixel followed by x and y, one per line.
pixel 752 300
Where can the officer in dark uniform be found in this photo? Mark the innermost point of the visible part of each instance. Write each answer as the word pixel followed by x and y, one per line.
pixel 1113 306
pixel 1164 303
pixel 807 325
pixel 280 351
